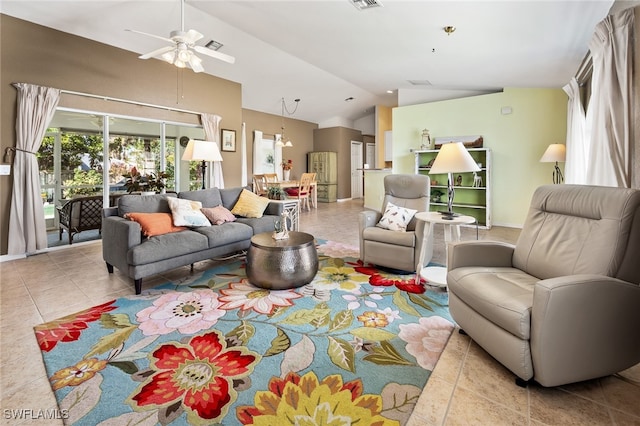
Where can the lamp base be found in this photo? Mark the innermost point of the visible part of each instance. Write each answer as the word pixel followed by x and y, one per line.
pixel 448 215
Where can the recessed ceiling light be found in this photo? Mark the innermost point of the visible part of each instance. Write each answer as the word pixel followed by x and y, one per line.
pixel 390 91
pixel 449 29
pixel 349 99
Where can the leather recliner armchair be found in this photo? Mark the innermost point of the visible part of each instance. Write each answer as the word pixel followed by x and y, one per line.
pixel 563 304
pixel 394 249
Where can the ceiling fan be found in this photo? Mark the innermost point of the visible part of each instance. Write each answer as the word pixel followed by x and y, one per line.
pixel 183 46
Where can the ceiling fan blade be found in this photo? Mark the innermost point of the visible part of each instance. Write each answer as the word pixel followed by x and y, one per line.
pixel 215 54
pixel 193 36
pixel 157 52
pixel 195 63
pixel 152 35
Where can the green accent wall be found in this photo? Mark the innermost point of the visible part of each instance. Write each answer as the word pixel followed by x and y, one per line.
pixel 517 140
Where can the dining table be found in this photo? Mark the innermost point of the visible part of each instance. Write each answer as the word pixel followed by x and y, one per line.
pixel 296 183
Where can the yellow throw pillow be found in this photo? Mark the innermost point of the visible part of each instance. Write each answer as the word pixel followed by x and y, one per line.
pixel 250 205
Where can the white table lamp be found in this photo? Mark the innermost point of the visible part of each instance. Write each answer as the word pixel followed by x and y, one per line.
pixel 556 152
pixel 453 157
pixel 204 151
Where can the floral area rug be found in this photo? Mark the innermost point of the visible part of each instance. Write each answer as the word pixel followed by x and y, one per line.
pixel 354 347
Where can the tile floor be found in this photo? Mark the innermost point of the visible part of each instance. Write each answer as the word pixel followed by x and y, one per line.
pixel 467 386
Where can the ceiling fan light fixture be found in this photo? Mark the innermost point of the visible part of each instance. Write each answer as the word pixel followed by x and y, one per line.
pixel 196 63
pixel 183 55
pixel 178 63
pixel 169 56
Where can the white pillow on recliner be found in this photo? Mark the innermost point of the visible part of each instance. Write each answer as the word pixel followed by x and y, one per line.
pixel 396 218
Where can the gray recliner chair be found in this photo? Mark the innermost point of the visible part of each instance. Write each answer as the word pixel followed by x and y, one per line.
pixel 563 304
pixel 394 249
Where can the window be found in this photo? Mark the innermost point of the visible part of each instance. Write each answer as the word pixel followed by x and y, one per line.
pixel 71 158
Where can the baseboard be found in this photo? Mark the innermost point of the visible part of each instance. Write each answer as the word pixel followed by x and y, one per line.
pixel 9 257
pixel 507 225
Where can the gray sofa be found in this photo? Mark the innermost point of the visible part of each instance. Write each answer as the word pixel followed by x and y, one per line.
pixel 124 246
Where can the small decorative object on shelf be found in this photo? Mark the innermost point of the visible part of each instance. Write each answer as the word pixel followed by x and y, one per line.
pixel 477 180
pixel 281 227
pixel 459 180
pixel 427 142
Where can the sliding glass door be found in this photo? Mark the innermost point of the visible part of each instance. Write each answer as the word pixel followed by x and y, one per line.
pixel 71 158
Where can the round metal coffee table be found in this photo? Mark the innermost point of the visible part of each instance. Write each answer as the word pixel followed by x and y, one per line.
pixel 282 264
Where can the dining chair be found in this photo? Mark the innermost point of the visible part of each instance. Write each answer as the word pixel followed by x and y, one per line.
pixel 303 191
pixel 259 185
pixel 270 177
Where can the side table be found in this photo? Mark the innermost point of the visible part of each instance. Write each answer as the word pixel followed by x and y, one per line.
pixel 291 205
pixel 437 275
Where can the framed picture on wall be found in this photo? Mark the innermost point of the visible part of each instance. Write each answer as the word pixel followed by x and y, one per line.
pixel 228 140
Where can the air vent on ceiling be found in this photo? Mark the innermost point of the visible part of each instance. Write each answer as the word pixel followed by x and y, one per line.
pixel 365 4
pixel 420 82
pixel 214 45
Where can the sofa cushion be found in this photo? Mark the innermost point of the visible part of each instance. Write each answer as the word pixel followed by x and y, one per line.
pixel 187 213
pixel 167 246
pixel 224 234
pixel 263 224
pixel 143 204
pixel 503 295
pixel 373 233
pixel 154 223
pixel 218 215
pixel 250 205
pixel 230 196
pixel 208 197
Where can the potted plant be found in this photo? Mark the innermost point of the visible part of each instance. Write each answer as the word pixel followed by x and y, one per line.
pixel 151 183
pixel 276 193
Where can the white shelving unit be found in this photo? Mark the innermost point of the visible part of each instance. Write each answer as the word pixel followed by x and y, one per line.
pixel 469 200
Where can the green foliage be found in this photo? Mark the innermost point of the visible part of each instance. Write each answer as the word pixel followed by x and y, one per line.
pixel 83 183
pixel 276 193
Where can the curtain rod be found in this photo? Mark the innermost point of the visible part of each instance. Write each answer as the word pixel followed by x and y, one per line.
pixel 126 101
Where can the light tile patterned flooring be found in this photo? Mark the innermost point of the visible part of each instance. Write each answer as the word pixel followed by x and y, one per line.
pixel 467 387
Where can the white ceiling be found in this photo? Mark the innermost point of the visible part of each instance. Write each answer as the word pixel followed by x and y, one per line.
pixel 323 52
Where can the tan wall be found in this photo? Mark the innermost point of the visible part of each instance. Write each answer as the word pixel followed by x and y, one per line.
pixel 338 139
pixel 35 54
pixel 384 122
pixel 299 132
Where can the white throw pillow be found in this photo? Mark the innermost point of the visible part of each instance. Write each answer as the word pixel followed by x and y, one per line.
pixel 187 212
pixel 396 218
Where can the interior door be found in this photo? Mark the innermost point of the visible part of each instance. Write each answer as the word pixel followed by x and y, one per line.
pixel 357 164
pixel 370 155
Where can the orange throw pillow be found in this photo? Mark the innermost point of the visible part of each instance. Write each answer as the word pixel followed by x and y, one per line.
pixel 154 223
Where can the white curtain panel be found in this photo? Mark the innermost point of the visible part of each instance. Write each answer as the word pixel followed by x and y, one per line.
pixel 211 125
pixel 609 110
pixel 243 154
pixel 577 142
pixel 35 108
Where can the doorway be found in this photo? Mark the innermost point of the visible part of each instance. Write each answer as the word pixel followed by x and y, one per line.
pixel 357 163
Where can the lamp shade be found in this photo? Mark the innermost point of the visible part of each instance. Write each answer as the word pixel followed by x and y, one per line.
pixel 453 157
pixel 555 152
pixel 201 151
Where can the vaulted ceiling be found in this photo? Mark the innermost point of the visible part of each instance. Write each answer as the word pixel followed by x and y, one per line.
pixel 325 52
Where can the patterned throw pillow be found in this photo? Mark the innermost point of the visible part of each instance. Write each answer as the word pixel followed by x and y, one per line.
pixel 250 205
pixel 218 215
pixel 396 218
pixel 154 223
pixel 187 212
